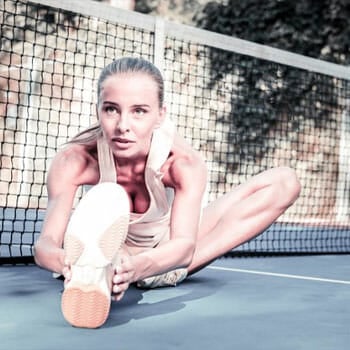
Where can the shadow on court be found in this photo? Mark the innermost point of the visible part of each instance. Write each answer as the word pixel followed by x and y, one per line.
pixel 135 307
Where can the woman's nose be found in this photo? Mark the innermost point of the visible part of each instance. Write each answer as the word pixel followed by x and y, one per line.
pixel 123 123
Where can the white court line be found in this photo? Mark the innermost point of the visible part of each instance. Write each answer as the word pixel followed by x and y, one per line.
pixel 279 275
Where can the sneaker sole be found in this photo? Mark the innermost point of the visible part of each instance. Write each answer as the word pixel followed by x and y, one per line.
pixel 95 233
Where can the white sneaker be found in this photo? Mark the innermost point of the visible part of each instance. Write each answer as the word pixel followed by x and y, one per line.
pixel 95 233
pixel 168 279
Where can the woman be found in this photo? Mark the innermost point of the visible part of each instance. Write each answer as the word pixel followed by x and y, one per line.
pixel 161 181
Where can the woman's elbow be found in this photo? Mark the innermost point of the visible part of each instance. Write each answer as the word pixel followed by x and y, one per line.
pixel 47 255
pixel 189 249
pixel 37 254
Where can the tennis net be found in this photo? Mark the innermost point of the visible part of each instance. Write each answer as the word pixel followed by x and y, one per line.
pixel 246 107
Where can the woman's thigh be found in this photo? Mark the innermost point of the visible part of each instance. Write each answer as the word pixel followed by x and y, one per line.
pixel 235 202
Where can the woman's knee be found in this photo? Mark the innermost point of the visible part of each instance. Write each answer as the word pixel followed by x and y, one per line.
pixel 289 185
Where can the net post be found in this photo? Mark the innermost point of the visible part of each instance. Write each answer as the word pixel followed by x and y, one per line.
pixel 343 185
pixel 159 42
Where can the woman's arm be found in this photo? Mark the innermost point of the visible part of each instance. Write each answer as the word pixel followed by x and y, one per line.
pixel 185 171
pixel 62 185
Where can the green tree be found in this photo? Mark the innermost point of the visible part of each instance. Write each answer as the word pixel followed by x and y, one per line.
pixel 316 28
pixel 265 92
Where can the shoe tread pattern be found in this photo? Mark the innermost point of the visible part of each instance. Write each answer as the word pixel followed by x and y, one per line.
pixel 113 238
pixel 85 308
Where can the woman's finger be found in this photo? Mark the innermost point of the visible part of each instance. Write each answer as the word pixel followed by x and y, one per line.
pixel 118 297
pixel 120 288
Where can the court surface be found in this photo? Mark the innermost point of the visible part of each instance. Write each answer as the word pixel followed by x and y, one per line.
pixel 242 303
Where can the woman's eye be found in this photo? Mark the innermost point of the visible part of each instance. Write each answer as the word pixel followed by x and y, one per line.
pixel 110 109
pixel 140 111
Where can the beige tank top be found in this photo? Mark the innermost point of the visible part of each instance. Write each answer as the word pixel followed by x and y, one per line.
pixel 150 228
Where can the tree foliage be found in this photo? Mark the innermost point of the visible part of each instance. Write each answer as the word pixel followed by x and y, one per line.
pixel 316 28
pixel 267 92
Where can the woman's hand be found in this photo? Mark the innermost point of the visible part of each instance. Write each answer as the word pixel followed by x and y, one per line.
pixel 124 274
pixel 66 271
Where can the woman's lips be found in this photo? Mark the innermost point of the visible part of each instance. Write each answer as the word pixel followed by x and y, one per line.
pixel 121 142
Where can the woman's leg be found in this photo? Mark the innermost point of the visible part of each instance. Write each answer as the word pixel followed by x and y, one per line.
pixel 243 213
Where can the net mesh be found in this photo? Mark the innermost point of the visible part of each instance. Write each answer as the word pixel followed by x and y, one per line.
pixel 243 113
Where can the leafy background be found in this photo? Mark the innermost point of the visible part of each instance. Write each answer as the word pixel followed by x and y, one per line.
pixel 316 28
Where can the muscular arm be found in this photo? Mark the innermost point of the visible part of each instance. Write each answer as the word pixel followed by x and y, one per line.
pixel 185 171
pixel 62 184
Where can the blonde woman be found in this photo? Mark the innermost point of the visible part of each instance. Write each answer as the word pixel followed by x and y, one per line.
pixel 142 221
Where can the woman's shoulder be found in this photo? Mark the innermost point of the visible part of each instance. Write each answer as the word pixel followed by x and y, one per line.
pixel 74 154
pixel 75 161
pixel 183 152
pixel 185 164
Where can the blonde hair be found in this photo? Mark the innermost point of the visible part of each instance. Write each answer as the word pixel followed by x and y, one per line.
pixel 118 66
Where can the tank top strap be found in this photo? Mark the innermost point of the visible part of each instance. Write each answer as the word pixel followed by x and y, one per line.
pixel 105 161
pixel 162 141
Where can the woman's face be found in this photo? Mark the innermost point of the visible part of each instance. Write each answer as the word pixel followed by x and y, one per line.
pixel 128 112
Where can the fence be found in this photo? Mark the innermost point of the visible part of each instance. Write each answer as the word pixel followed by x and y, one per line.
pixel 246 107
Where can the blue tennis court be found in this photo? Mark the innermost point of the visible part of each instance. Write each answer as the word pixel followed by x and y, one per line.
pixel 257 303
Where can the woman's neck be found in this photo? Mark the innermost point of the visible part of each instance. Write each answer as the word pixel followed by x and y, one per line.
pixel 131 170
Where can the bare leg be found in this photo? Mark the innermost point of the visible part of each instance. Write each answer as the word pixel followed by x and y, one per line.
pixel 243 213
